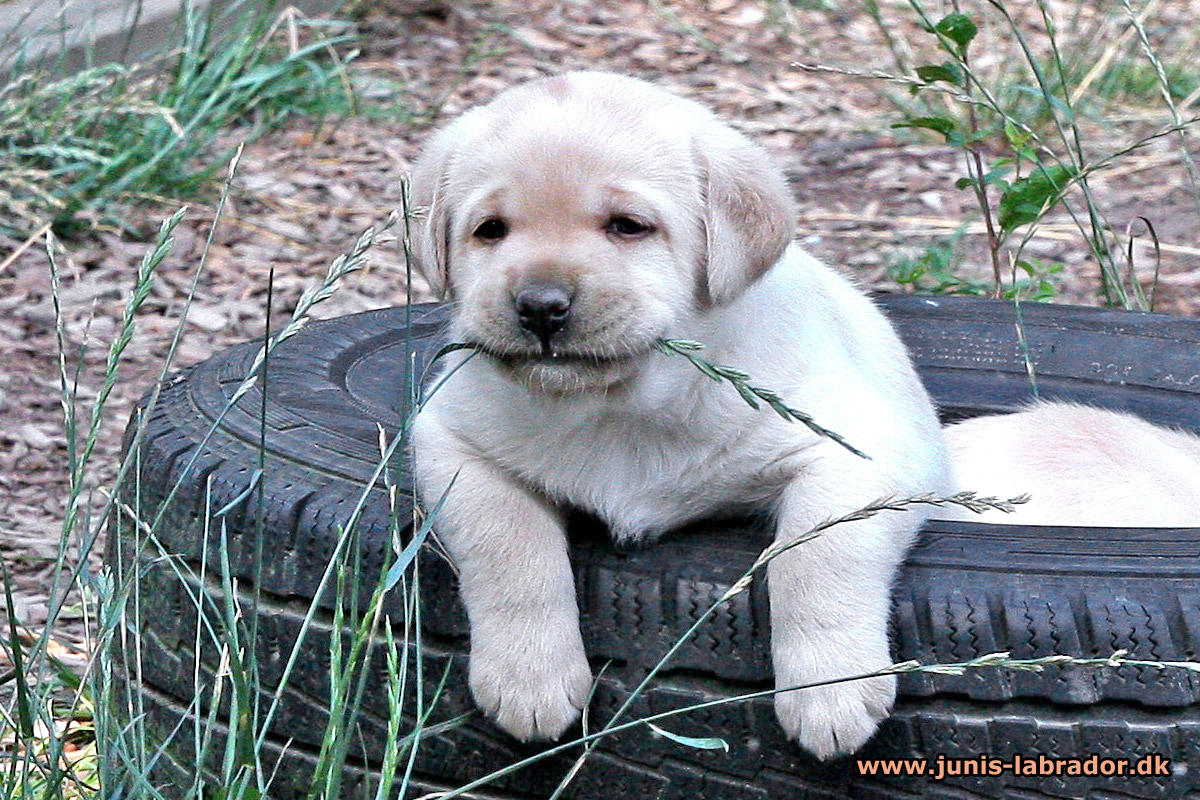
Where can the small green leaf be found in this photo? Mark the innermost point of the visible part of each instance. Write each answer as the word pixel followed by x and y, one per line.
pixel 1045 291
pixel 947 72
pixel 706 743
pixel 942 125
pixel 1028 198
pixel 958 28
pixel 964 183
pixel 996 175
pixel 1016 136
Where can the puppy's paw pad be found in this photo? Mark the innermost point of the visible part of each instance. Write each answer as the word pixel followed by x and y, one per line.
pixel 831 721
pixel 531 701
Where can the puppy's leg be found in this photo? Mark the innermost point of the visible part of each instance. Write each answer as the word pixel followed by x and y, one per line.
pixel 830 600
pixel 528 669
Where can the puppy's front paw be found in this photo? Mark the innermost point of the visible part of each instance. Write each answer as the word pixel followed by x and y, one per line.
pixel 533 691
pixel 839 718
pixel 835 720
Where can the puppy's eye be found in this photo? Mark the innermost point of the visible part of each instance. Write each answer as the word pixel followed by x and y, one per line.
pixel 491 230
pixel 628 227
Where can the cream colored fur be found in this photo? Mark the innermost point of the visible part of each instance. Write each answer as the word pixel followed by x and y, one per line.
pixel 605 423
pixel 1080 466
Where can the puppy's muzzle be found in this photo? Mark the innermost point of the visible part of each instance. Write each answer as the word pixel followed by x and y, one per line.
pixel 543 309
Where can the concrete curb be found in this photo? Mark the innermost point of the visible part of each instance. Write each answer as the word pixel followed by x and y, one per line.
pixel 99 31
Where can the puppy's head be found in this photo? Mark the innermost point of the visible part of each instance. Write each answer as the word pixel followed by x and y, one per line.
pixel 577 219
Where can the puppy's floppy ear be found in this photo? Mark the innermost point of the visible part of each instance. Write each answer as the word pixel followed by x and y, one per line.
pixel 748 215
pixel 429 201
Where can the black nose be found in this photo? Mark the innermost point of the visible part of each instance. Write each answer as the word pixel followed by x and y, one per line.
pixel 543 309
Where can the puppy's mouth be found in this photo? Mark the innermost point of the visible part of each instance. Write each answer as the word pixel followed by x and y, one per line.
pixel 554 357
pixel 564 372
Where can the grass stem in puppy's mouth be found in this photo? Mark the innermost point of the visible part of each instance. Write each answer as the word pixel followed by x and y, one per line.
pixel 751 394
pixel 513 357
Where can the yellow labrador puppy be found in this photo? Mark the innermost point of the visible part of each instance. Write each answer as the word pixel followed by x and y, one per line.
pixel 574 221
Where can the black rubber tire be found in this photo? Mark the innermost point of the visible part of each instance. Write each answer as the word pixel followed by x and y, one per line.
pixel 966 590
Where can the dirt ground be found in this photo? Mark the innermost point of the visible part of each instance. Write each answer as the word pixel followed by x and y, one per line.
pixel 867 195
